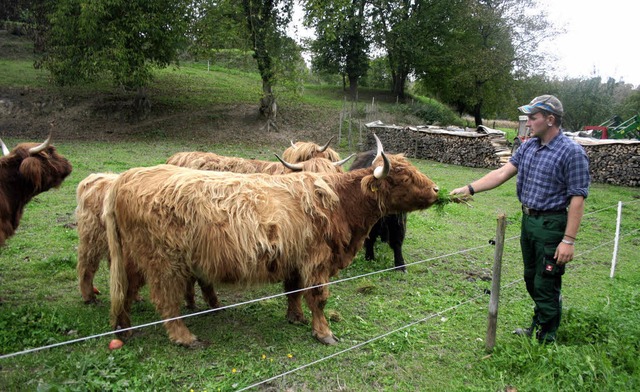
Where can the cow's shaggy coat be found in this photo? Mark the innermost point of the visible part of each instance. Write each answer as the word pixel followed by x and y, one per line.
pixel 303 151
pixel 171 223
pixel 26 171
pixel 92 190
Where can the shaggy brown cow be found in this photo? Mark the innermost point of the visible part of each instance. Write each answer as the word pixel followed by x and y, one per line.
pixel 26 171
pixel 171 223
pixel 303 151
pixel 211 161
pixel 91 191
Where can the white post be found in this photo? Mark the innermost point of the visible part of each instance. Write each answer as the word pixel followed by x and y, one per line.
pixel 617 239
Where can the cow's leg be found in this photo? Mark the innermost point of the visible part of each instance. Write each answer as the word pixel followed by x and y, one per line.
pixel 397 225
pixel 368 248
pixel 89 255
pixel 209 294
pixel 167 292
pixel 190 294
pixel 295 315
pixel 316 300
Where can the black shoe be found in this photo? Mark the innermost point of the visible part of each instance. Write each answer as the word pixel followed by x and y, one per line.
pixel 523 332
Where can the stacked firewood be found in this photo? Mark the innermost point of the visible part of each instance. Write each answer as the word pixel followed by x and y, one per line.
pixel 611 161
pixel 474 148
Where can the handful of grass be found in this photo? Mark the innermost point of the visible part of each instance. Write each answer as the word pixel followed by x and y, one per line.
pixel 445 198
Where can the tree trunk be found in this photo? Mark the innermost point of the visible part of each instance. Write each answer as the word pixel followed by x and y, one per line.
pixel 353 87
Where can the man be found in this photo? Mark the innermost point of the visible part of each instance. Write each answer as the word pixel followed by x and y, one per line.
pixel 552 175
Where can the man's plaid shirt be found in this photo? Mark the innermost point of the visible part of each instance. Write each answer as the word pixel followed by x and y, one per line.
pixel 549 175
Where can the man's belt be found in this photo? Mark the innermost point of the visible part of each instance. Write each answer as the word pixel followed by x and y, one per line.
pixel 531 212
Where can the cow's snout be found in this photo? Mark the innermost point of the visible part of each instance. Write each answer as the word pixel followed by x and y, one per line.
pixel 436 189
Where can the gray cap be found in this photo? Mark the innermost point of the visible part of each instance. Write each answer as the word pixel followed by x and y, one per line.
pixel 547 103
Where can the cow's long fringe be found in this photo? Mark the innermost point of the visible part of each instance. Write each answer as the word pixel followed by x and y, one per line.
pixel 118 276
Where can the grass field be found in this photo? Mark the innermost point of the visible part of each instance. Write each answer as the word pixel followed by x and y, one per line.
pixel 420 331
pixel 445 287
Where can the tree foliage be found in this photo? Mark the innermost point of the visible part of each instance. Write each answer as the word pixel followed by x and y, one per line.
pixel 121 38
pixel 488 45
pixel 341 47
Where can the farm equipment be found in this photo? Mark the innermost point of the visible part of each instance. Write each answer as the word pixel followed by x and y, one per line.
pixel 615 128
pixel 523 133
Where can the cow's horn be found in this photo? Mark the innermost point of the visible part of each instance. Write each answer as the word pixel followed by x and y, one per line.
pixel 5 150
pixel 342 162
pixel 35 150
pixel 294 167
pixel 293 145
pixel 381 172
pixel 321 149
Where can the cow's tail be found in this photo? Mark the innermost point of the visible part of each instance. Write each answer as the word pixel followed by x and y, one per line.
pixel 118 283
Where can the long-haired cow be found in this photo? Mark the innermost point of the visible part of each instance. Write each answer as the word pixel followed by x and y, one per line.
pixel 303 151
pixel 169 223
pixel 91 191
pixel 26 171
pixel 212 161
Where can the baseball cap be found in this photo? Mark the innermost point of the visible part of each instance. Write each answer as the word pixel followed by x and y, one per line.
pixel 547 102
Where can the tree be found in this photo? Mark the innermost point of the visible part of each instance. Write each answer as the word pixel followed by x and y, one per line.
pixel 340 47
pixel 121 38
pixel 489 45
pixel 405 29
pixel 265 20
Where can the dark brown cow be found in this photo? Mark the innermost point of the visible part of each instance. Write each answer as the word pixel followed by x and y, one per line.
pixel 171 223
pixel 26 171
pixel 303 151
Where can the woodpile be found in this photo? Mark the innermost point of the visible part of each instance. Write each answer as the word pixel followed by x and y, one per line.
pixel 475 148
pixel 611 161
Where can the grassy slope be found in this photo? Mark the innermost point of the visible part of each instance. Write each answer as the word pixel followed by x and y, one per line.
pixel 597 348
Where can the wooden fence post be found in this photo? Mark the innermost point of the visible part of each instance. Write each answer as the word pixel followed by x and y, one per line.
pixel 495 284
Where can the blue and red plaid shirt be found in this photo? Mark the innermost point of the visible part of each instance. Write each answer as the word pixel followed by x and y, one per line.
pixel 549 175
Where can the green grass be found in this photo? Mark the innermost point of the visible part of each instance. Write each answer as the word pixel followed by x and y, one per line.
pixel 251 343
pixel 437 312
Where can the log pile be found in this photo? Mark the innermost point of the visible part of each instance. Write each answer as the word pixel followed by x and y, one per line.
pixel 614 162
pixel 482 148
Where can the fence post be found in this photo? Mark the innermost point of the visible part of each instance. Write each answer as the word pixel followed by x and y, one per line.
pixel 617 240
pixel 495 284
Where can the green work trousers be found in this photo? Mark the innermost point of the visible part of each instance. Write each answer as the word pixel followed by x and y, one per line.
pixel 539 239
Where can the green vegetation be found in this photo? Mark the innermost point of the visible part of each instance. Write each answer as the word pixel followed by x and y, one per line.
pixel 251 343
pixel 424 330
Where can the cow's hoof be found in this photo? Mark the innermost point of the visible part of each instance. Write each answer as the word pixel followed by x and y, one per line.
pixel 297 319
pixel 329 340
pixel 91 301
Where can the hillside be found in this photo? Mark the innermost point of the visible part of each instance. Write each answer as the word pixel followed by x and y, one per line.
pixel 187 102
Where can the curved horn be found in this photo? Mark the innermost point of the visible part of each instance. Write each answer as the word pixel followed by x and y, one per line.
pixel 381 172
pixel 5 150
pixel 35 150
pixel 342 162
pixel 291 166
pixel 293 144
pixel 379 148
pixel 321 149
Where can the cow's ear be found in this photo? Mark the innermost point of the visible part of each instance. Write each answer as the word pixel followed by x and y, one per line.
pixel 31 170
